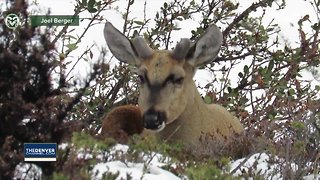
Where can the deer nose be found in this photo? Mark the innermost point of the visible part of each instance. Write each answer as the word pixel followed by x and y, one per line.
pixel 154 120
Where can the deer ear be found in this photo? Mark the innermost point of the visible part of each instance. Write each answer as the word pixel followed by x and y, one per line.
pixel 180 51
pixel 123 49
pixel 206 48
pixel 119 45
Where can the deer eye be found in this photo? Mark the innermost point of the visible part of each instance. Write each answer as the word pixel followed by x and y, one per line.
pixel 141 79
pixel 178 81
pixel 173 80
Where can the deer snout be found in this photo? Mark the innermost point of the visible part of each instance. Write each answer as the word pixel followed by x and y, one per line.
pixel 154 120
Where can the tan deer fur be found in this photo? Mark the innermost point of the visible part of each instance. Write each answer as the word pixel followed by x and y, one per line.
pixel 170 102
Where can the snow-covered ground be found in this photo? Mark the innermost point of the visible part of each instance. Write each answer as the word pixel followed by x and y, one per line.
pixel 134 170
pixel 263 167
pixel 152 167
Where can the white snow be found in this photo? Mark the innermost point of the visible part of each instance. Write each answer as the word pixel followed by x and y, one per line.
pixel 27 171
pixel 312 177
pixel 134 170
pixel 264 165
pixel 259 164
pixel 150 169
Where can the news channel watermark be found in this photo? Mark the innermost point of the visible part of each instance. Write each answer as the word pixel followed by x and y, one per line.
pixel 40 152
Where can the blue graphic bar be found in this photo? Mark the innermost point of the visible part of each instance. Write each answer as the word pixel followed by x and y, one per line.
pixel 40 151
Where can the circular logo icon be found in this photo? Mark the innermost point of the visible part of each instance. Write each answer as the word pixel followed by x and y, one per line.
pixel 12 21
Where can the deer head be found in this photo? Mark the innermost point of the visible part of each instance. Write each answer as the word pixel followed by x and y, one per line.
pixel 166 76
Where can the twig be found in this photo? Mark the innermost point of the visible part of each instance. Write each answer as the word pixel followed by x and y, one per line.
pixel 244 14
pixel 64 29
pixel 242 163
pixel 79 58
pixel 130 2
pixel 77 98
pixel 167 139
pixel 114 91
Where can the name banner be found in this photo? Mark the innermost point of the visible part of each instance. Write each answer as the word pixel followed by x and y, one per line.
pixel 54 20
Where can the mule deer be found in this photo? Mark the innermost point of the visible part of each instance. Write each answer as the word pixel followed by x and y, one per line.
pixel 169 99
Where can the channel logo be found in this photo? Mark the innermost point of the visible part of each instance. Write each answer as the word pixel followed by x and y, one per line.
pixel 40 151
pixel 12 21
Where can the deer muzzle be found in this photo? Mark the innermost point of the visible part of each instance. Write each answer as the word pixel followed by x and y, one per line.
pixel 154 120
